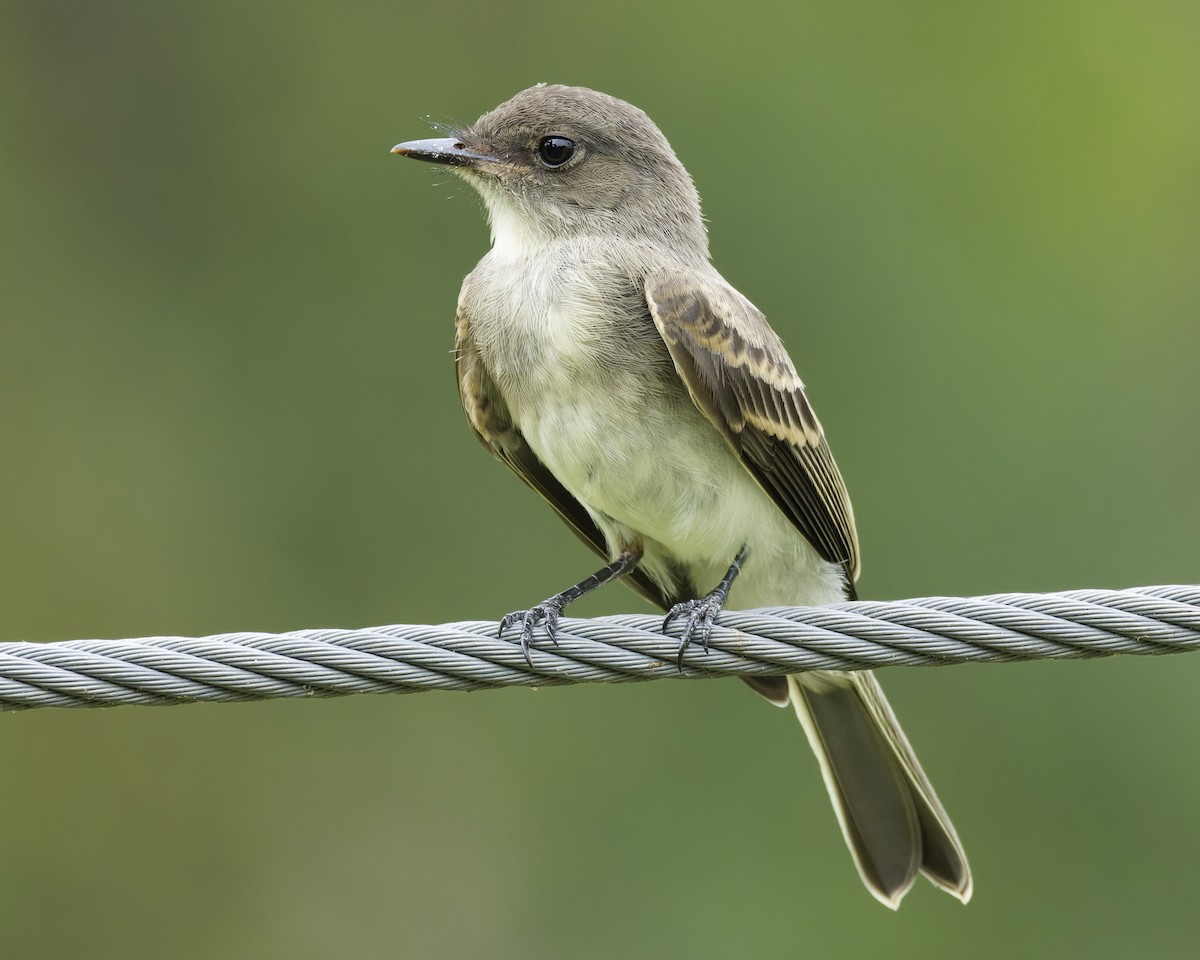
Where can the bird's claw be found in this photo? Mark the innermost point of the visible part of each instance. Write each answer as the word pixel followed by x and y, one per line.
pixel 700 614
pixel 546 612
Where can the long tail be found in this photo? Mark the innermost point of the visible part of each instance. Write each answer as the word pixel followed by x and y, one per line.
pixel 890 816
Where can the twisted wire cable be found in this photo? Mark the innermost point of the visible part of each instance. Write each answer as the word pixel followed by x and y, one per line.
pixel 407 658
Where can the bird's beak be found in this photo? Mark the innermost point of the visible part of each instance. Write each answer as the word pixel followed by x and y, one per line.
pixel 448 151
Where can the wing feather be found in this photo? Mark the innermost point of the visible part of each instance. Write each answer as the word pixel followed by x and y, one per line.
pixel 740 376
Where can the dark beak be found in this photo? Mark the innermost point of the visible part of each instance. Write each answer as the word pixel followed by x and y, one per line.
pixel 449 151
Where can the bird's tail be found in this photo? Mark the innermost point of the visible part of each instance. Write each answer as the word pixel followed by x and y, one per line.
pixel 890 816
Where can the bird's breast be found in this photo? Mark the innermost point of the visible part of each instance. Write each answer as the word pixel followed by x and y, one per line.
pixel 548 328
pixel 592 388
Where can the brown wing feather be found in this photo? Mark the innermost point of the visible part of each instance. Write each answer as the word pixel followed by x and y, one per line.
pixel 492 424
pixel 740 376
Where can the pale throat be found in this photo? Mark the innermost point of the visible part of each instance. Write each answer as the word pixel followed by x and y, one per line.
pixel 515 235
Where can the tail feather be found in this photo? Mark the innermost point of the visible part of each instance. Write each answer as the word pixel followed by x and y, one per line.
pixel 890 816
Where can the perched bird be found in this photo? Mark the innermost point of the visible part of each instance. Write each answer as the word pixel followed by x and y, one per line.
pixel 604 360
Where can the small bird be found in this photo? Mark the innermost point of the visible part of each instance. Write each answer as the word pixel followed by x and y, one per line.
pixel 603 359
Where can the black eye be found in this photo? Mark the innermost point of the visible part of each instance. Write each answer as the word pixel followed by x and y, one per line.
pixel 555 151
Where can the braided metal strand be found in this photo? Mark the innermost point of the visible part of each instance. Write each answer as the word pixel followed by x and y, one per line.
pixel 468 656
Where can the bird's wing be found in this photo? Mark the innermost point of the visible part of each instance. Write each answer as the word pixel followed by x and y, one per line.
pixel 489 417
pixel 740 376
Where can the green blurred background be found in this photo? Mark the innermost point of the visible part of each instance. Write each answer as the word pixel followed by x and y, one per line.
pixel 226 402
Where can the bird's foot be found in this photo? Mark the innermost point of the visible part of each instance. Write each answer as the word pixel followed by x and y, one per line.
pixel 700 615
pixel 547 612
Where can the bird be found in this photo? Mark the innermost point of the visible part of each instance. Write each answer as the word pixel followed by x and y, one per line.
pixel 605 361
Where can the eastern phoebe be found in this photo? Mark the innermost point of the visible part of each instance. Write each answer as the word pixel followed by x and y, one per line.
pixel 604 360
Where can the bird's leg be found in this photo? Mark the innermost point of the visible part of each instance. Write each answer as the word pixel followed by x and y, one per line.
pixel 549 610
pixel 702 612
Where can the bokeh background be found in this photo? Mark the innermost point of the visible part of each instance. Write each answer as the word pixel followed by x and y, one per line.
pixel 226 402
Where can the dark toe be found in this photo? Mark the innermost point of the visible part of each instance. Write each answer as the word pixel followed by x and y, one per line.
pixel 701 617
pixel 546 613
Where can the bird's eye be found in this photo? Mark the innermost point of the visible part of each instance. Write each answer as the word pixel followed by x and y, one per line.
pixel 555 151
